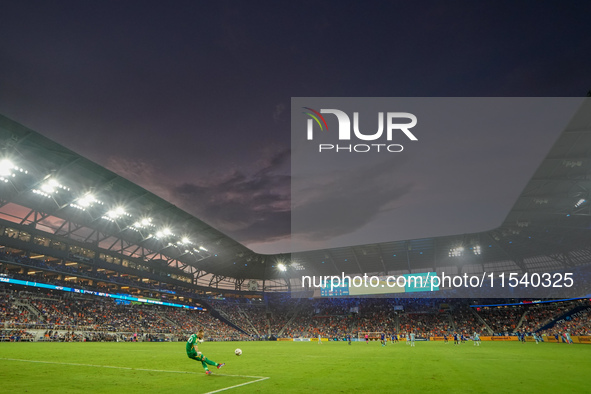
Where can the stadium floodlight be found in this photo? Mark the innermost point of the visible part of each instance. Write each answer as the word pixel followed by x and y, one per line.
pixel 476 250
pixel 456 252
pixel 203 249
pixel 281 267
pixel 8 170
pixel 185 241
pixel 50 187
pixel 115 214
pixel 86 201
pixel 6 167
pixel 580 202
pixel 165 232
pixel 143 223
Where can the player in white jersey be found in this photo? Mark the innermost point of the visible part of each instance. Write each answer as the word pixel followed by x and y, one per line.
pixel 476 339
pixel 412 339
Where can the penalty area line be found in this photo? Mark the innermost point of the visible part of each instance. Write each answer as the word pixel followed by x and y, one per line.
pixel 260 379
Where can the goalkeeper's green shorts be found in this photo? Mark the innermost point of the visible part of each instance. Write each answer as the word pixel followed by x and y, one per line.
pixel 195 356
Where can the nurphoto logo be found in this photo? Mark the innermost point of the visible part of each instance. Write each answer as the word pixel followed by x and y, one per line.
pixel 393 130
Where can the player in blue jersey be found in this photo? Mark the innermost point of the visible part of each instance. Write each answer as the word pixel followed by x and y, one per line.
pixel 383 339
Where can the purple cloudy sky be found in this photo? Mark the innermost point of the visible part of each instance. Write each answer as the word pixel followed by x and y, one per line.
pixel 190 99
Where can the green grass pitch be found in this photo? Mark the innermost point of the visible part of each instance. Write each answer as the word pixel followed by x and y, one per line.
pixel 295 367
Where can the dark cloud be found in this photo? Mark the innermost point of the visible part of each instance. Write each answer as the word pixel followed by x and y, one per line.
pixel 249 206
pixel 342 202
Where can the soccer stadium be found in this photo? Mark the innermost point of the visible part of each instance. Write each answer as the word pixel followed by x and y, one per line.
pixel 102 283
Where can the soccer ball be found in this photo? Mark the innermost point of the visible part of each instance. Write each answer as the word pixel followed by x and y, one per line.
pixel 238 352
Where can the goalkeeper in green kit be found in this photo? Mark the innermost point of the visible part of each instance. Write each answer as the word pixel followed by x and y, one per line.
pixel 194 353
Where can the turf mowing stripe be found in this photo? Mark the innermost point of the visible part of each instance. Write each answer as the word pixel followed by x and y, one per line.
pixel 129 368
pixel 258 378
pixel 243 376
pixel 96 366
pixel 238 385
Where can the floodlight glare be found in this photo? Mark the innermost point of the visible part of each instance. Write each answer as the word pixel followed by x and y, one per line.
pixel 49 187
pixel 9 170
pixel 163 233
pixel 115 213
pixel 281 267
pixel 87 200
pixel 6 167
pixel 456 252
pixel 185 241
pixel 145 222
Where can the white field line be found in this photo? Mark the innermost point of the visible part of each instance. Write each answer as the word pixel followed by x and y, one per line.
pixel 258 378
pixel 238 385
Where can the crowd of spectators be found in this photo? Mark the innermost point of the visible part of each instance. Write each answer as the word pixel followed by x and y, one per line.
pixel 91 318
pixel 503 319
pixel 426 324
pixel 579 325
pixel 465 320
pixel 16 336
pixel 234 311
pixel 539 315
pixel 77 317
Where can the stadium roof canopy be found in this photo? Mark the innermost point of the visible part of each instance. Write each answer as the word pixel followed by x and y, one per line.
pixel 53 189
pixel 69 195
